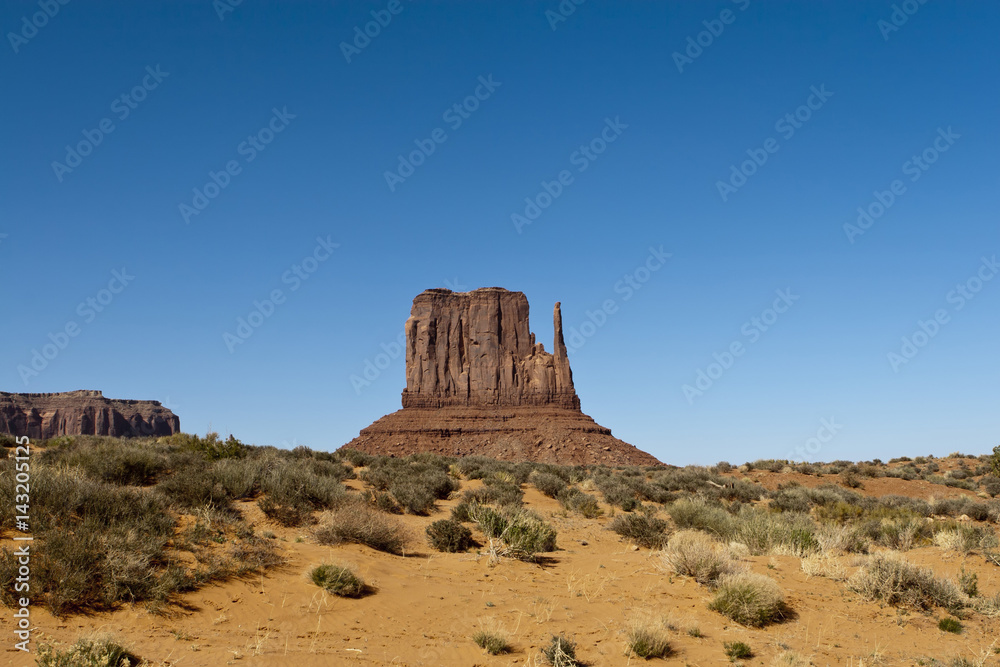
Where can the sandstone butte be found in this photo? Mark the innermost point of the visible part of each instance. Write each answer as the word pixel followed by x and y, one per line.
pixel 478 383
pixel 84 412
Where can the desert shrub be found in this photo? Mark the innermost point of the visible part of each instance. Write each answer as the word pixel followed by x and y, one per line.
pixel 795 499
pixel 211 448
pixel 644 530
pixel 694 554
pixel 763 532
pixel 359 523
pixel 356 458
pixel 295 488
pixel 723 466
pixel 851 479
pixel 449 536
pixel 617 491
pixel 647 639
pixel 965 538
pixel 549 484
pixel 239 477
pixel 749 599
pixel 253 554
pixel 98 651
pixel 338 580
pixel 289 516
pixel 522 533
pixel 770 465
pixel 492 641
pixel 194 486
pixel 383 502
pixel 561 652
pixel 948 624
pixel 575 500
pixel 968 583
pixel 737 651
pixel 837 538
pixel 497 493
pixel 412 496
pixel 891 579
pixel 135 463
pixel 990 484
pixel 821 565
pixel 694 513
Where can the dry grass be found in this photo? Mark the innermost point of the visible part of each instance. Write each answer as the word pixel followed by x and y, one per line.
pixel 363 524
pixel 823 565
pixel 890 578
pixel 694 554
pixel 749 599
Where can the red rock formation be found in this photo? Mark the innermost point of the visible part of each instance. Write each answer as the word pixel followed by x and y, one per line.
pixel 475 349
pixel 477 383
pixel 42 416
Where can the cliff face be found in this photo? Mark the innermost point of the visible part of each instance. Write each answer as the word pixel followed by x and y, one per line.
pixel 476 349
pixel 42 416
pixel 478 383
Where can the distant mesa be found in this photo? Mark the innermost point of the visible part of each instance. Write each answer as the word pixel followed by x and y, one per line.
pixel 84 412
pixel 478 383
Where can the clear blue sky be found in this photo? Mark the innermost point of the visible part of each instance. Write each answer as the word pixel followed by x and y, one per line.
pixel 327 131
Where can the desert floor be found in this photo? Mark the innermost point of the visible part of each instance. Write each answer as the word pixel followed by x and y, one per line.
pixel 427 605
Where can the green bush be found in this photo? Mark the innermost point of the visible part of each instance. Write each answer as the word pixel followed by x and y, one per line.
pixel 648 640
pixel 549 484
pixel 950 625
pixel 561 652
pixel 749 599
pixel 641 529
pixel 575 500
pixel 449 536
pixel 412 496
pixel 338 580
pixel 522 533
pixel 494 643
pixel 98 651
pixel 737 651
pixel 696 514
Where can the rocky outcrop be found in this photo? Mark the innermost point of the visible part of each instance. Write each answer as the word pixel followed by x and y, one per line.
pixel 42 416
pixel 478 383
pixel 476 349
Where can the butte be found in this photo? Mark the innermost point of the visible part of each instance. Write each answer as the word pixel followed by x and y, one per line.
pixel 478 383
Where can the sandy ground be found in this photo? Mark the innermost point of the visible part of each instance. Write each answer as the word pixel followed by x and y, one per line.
pixel 427 605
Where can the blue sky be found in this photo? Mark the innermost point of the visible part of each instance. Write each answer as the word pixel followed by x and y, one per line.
pixel 651 113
